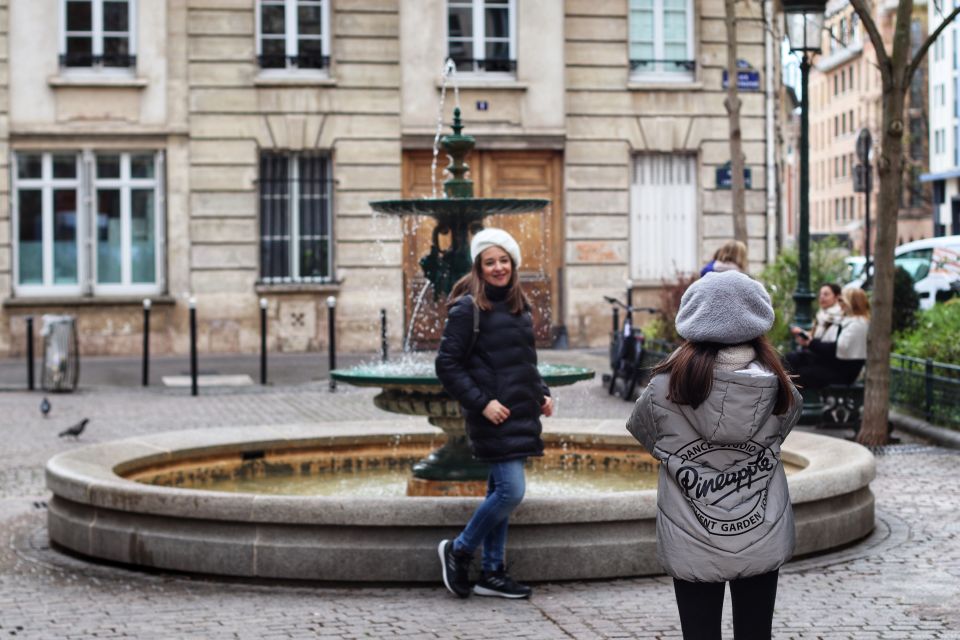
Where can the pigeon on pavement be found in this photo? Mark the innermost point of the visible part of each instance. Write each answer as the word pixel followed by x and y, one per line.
pixel 45 407
pixel 75 430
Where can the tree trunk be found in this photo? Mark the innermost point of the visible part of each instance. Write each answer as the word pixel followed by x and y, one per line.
pixel 879 341
pixel 732 104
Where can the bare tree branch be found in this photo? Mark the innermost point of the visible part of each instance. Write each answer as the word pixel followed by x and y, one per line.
pixel 922 51
pixel 883 59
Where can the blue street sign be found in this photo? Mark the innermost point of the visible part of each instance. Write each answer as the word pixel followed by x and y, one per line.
pixel 482 105
pixel 725 177
pixel 746 80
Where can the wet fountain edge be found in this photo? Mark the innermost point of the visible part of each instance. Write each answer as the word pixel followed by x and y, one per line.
pixel 100 514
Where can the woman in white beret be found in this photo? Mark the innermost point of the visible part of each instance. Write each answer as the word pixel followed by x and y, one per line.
pixel 488 362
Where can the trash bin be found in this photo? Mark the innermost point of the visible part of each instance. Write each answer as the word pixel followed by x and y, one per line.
pixel 61 354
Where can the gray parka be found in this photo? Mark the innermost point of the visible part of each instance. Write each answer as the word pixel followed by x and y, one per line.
pixel 723 510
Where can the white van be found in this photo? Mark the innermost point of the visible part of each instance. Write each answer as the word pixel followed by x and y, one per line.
pixel 934 265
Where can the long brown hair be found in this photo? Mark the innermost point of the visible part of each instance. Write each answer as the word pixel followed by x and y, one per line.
pixel 691 372
pixel 473 284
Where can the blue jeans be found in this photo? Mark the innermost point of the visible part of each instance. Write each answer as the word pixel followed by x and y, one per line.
pixel 488 526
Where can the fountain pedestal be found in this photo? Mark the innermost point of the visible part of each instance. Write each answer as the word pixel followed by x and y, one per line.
pixel 451 470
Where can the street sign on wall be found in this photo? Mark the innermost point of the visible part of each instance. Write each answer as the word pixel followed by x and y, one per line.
pixel 725 177
pixel 748 78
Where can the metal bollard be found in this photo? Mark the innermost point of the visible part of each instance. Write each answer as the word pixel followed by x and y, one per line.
pixel 30 375
pixel 263 341
pixel 630 301
pixel 146 341
pixel 383 335
pixel 193 346
pixel 332 328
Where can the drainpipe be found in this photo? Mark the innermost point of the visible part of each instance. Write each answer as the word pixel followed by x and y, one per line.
pixel 770 103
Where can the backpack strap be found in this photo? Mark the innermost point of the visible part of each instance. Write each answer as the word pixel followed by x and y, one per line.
pixel 476 332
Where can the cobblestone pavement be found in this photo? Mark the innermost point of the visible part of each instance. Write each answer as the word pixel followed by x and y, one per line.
pixel 902 582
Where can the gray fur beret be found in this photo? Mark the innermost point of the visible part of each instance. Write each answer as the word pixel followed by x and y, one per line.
pixel 728 307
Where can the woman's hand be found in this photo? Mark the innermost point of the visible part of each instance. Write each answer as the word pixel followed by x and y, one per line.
pixel 547 407
pixel 803 342
pixel 496 412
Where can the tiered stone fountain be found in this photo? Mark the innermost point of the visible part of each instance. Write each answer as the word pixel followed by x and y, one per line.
pixel 450 470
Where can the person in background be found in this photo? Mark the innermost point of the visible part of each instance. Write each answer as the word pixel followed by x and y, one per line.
pixel 839 361
pixel 488 363
pixel 825 329
pixel 732 256
pixel 715 415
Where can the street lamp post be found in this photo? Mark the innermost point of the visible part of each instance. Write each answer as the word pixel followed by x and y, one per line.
pixel 804 21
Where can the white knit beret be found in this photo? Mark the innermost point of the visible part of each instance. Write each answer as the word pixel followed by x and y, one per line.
pixel 728 307
pixel 495 238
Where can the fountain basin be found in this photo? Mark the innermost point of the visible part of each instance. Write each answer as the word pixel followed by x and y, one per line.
pixel 97 511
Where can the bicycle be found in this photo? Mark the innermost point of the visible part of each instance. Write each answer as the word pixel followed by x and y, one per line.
pixel 627 348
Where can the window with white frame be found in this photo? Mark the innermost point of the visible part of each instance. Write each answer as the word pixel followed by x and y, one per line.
pixel 87 222
pixel 98 34
pixel 293 34
pixel 661 40
pixel 296 230
pixel 482 35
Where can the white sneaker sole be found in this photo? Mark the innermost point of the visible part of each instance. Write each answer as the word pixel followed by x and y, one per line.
pixel 483 591
pixel 443 568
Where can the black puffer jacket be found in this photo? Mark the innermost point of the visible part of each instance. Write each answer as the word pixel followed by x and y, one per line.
pixel 502 367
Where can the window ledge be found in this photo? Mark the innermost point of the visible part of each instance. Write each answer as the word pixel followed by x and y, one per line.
pixel 97 80
pixel 637 85
pixel 294 80
pixel 504 84
pixel 299 287
pixel 85 301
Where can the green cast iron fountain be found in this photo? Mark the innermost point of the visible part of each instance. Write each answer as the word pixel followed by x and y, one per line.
pixel 412 388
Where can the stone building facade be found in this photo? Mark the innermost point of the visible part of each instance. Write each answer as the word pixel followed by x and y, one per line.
pixel 845 94
pixel 226 151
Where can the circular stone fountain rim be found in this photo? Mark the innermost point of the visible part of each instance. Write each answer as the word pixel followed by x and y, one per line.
pixel 553 375
pixel 87 476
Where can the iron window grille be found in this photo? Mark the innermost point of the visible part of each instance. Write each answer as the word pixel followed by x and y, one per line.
pixel 296 222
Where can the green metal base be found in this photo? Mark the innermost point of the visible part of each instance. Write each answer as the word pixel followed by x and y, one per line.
pixel 452 462
pixel 812 407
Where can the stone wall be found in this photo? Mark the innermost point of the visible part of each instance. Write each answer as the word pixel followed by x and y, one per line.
pixel 235 113
pixel 609 119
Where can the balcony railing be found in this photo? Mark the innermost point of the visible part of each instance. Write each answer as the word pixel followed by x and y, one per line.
pixel 651 65
pixel 496 65
pixel 303 61
pixel 90 60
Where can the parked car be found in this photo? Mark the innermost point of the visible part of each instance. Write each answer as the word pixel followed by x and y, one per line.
pixel 855 266
pixel 934 265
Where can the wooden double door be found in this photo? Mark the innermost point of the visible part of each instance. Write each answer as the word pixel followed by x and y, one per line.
pixel 495 174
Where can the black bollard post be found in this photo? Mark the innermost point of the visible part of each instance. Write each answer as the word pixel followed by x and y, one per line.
pixel 383 335
pixel 630 301
pixel 193 346
pixel 146 341
pixel 29 320
pixel 332 333
pixel 263 341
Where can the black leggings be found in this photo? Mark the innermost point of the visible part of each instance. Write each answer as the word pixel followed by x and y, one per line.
pixel 701 605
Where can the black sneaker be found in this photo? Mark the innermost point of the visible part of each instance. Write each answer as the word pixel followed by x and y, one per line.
pixel 456 569
pixel 501 585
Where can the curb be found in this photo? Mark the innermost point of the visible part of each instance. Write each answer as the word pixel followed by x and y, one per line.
pixel 938 435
